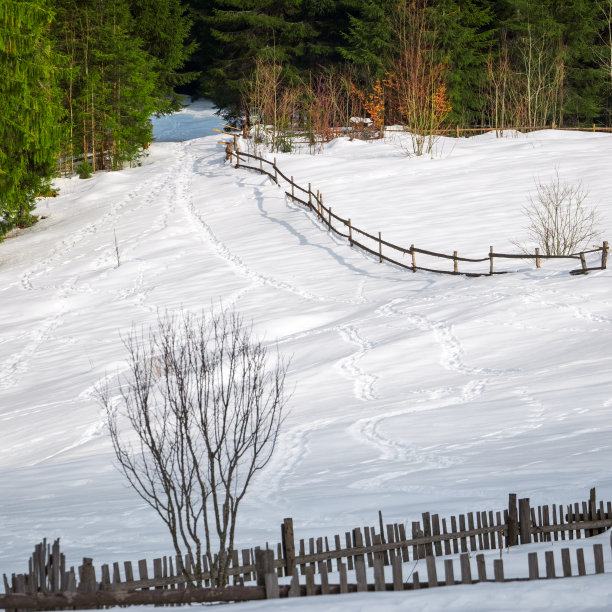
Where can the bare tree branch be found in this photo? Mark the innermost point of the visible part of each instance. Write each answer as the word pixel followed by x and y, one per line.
pixel 203 403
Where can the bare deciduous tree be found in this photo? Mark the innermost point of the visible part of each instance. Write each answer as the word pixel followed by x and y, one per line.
pixel 203 402
pixel 560 220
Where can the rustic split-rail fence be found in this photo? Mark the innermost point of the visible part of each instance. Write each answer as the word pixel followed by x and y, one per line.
pixel 389 252
pixel 373 558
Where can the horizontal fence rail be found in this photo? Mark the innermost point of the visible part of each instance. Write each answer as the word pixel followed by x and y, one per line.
pixel 345 229
pixel 307 564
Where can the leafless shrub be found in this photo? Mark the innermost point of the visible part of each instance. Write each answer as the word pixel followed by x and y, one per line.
pixel 202 403
pixel 560 220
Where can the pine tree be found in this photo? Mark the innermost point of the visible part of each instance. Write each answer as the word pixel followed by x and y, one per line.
pixel 29 133
pixel 164 27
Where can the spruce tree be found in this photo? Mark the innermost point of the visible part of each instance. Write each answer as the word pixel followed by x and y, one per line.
pixel 29 133
pixel 164 27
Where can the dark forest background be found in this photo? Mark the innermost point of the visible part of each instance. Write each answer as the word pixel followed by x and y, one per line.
pixel 80 79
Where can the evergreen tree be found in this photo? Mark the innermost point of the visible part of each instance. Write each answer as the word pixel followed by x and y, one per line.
pixel 164 27
pixel 108 80
pixel 463 37
pixel 29 133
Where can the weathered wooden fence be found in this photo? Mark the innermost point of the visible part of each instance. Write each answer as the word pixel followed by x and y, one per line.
pixel 306 565
pixel 379 248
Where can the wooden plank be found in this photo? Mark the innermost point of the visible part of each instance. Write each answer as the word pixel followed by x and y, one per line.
pixel 534 572
pixel 498 570
pixel 449 572
pixel 500 535
pixel 329 560
pixel 349 545
pixel 416 534
pixel 580 560
pixel 311 550
pixel 157 570
pixel 288 541
pixel 537 537
pixel 479 526
pixel 447 542
pixel 271 584
pixel 580 518
pixel 599 558
pixel 427 532
pixel 398 578
pixel 246 561
pixel 391 539
pixel 550 564
pixel 570 519
pixel 324 578
pixel 310 582
pixel 360 569
pixel 264 564
pixel 560 522
pixel 555 521
pixel 416 583
pixel 546 522
pixel 435 528
pixel 471 528
pixel 403 538
pixel 129 573
pixel 338 545
pixel 432 574
pixel 482 567
pixel 453 531
pixel 360 573
pixel 379 573
pixel 524 521
pixel 105 579
pixel 343 578
pixel 294 587
pixel 592 511
pixel 566 562
pixel 368 542
pixel 464 548
pixel 466 570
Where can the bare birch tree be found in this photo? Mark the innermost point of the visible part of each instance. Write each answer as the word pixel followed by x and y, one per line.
pixel 196 415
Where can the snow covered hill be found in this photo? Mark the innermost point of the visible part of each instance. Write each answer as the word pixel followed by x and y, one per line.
pixel 411 392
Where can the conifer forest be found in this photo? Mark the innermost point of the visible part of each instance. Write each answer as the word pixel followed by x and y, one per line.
pixel 80 79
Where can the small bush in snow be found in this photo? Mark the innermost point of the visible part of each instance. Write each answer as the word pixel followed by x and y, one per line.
pixel 560 220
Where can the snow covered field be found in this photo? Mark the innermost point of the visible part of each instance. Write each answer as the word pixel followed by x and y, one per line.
pixel 411 392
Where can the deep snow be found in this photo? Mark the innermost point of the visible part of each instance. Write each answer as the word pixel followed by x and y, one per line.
pixel 411 392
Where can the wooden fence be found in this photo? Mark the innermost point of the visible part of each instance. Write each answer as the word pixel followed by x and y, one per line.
pixel 375 243
pixel 306 565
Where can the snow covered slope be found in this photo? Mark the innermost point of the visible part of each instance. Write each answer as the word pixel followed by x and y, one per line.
pixel 412 392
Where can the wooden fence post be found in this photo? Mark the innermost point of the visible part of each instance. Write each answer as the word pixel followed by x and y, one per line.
pixel 413 257
pixel 350 232
pixel 491 261
pixel 537 252
pixel 329 217
pixel 583 263
pixel 455 263
pixel 275 172
pixel 379 247
pixel 525 520
pixel 513 528
pixel 237 158
pixel 604 255
pixel 432 576
pixel 235 142
pixel 309 195
pixel 288 545
pixel 534 572
pixel 292 188
pixel 264 564
pixel 498 570
pixel 87 581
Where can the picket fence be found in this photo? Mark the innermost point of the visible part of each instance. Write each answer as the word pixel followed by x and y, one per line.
pixel 306 565
pixel 375 246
